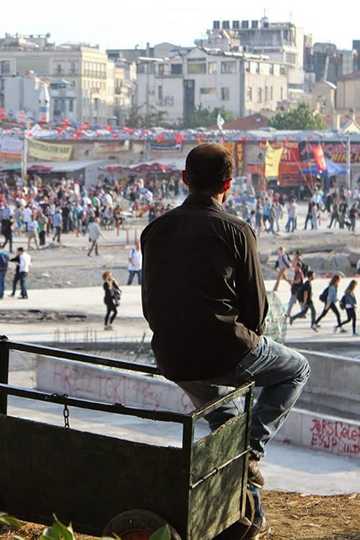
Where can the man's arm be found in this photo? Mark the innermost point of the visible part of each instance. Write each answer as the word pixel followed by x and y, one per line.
pixel 249 282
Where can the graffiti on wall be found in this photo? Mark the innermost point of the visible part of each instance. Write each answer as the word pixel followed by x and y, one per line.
pixel 335 437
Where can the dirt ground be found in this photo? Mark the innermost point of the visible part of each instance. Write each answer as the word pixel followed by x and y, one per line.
pixel 291 516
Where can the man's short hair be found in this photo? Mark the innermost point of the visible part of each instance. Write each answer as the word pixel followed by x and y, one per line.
pixel 207 167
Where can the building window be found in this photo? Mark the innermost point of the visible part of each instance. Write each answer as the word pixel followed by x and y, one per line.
pixel 248 67
pixel 71 105
pixel 291 58
pixel 271 93
pixel 257 67
pixel 271 69
pixel 225 94
pixel 160 93
pixel 4 67
pixel 176 69
pixel 140 68
pixel 73 68
pixel 161 71
pixel 212 68
pixel 260 95
pixel 250 94
pixel 228 67
pixel 282 93
pixel 196 68
pixel 266 94
pixel 59 69
pixel 208 91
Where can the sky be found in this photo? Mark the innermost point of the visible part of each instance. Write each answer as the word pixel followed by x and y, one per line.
pixel 126 23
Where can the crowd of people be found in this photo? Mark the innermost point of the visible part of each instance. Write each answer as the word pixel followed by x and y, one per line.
pixel 45 211
pixel 300 278
pixel 273 212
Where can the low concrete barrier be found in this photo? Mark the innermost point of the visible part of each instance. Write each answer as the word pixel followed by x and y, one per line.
pixel 330 434
pixel 109 385
pixel 334 383
pixel 321 432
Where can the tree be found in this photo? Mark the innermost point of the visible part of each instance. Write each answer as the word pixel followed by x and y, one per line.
pixel 154 118
pixel 299 118
pixel 204 117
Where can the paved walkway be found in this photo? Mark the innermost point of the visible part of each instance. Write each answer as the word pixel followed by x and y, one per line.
pixel 130 322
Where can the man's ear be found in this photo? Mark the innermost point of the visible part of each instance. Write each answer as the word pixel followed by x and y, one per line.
pixel 185 178
pixel 227 184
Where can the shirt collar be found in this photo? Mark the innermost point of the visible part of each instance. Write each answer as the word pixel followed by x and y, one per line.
pixel 203 200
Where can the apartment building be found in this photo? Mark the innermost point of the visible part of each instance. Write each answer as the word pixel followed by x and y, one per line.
pixel 124 92
pixel 236 82
pixel 85 67
pixel 281 42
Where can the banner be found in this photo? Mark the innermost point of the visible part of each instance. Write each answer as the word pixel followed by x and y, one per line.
pixel 49 152
pixel 319 157
pixel 272 161
pixel 10 148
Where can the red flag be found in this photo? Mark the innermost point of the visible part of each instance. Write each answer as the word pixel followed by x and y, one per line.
pixel 319 157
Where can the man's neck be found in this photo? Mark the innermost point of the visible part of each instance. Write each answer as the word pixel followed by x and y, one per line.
pixel 218 197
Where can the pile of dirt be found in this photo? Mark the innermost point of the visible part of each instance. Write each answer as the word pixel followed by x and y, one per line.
pixel 291 516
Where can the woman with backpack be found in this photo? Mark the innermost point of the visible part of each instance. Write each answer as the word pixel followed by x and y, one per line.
pixel 111 299
pixel 329 297
pixel 348 302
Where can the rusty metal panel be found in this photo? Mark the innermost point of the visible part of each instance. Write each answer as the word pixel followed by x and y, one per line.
pixel 220 447
pixel 86 478
pixel 215 503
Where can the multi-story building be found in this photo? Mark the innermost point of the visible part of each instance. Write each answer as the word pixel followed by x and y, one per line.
pixel 328 63
pixel 348 93
pixel 85 67
pixel 125 86
pixel 237 82
pixel 281 42
pixel 26 98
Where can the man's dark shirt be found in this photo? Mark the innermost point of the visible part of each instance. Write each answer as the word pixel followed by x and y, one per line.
pixel 203 293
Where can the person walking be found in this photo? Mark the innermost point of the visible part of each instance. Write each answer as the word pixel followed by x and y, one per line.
pixel 7 226
pixel 292 216
pixel 309 216
pixel 304 296
pixel 296 285
pixel 16 278
pixel 349 302
pixel 42 223
pixel 334 219
pixel 202 278
pixel 111 299
pixel 4 263
pixel 94 233
pixel 282 264
pixel 25 263
pixel 329 297
pixel 57 225
pixel 135 263
pixel 32 233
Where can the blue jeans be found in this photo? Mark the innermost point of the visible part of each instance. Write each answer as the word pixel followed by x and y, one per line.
pixel 281 372
pixel 2 283
pixel 132 274
pixel 23 285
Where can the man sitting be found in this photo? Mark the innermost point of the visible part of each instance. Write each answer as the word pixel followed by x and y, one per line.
pixel 205 301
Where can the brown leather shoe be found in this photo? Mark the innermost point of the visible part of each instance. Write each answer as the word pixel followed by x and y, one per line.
pixel 254 474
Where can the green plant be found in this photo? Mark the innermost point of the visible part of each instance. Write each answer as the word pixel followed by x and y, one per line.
pixel 59 531
pixel 298 118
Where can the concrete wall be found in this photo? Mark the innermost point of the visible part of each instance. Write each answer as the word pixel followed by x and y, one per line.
pixel 322 432
pixel 334 384
pixel 110 385
pixel 316 431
